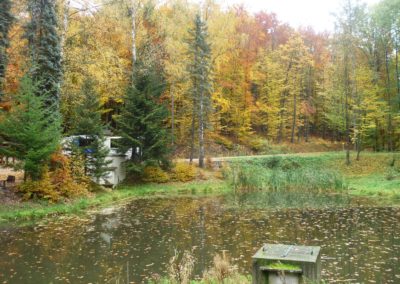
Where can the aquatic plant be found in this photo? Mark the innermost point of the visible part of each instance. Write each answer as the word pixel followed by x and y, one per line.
pixel 180 271
pixel 278 173
pixel 180 268
pixel 222 269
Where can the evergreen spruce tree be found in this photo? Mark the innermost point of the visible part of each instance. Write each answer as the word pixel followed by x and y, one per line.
pixel 141 122
pixel 199 70
pixel 45 50
pixel 31 131
pixel 6 20
pixel 88 123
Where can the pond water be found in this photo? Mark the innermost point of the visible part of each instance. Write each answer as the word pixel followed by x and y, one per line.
pixel 360 242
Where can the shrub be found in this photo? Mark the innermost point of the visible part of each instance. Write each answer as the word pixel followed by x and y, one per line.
pixel 42 188
pixel 55 184
pixel 155 174
pixel 183 172
pixel 225 142
pixel 259 145
pixel 256 144
pixel 63 179
pixel 77 167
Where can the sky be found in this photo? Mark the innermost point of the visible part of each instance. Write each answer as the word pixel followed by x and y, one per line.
pixel 315 13
pixel 318 14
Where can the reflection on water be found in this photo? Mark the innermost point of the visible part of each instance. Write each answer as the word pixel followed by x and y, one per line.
pixel 282 200
pixel 359 243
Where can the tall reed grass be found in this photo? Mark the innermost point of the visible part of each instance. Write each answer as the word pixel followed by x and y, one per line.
pixel 283 173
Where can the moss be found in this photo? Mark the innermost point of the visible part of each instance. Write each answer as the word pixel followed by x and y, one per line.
pixel 284 266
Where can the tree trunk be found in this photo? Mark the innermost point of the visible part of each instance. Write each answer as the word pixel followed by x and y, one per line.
pixel 192 133
pixel 397 74
pixel 307 129
pixel 172 117
pixel 294 116
pixel 390 127
pixel 201 131
pixel 284 94
pixel 376 135
pixel 133 15
pixel 347 122
pixel 3 64
pixel 64 32
pixel 300 130
pixel 358 147
pixel 281 115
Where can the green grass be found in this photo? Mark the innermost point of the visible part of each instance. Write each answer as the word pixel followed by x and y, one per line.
pixel 280 173
pixel 376 185
pixel 37 210
pixel 328 171
pixel 373 175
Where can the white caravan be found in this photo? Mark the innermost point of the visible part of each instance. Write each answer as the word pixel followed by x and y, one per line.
pixel 116 169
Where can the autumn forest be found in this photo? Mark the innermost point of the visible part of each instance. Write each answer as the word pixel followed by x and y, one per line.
pixel 266 79
pixel 166 142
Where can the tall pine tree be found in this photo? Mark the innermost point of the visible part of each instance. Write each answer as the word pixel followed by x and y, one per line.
pixel 199 70
pixel 6 19
pixel 31 131
pixel 45 50
pixel 88 123
pixel 141 122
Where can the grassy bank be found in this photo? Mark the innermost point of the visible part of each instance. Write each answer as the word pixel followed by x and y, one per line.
pixel 283 173
pixel 373 175
pixel 37 210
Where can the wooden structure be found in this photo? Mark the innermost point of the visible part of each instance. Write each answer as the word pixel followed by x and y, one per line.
pixel 276 264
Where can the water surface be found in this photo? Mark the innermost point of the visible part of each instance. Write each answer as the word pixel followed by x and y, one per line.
pixel 360 242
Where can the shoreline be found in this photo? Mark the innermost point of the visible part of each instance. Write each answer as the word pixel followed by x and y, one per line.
pixel 32 211
pixel 363 179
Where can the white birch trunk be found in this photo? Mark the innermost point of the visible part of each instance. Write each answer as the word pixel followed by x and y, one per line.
pixel 66 5
pixel 133 15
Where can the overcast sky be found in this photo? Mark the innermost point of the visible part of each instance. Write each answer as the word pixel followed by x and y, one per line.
pixel 315 13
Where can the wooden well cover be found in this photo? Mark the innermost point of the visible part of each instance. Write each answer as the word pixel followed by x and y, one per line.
pixel 288 253
pixel 307 258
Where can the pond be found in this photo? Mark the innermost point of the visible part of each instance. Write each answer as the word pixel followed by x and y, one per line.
pixel 360 242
